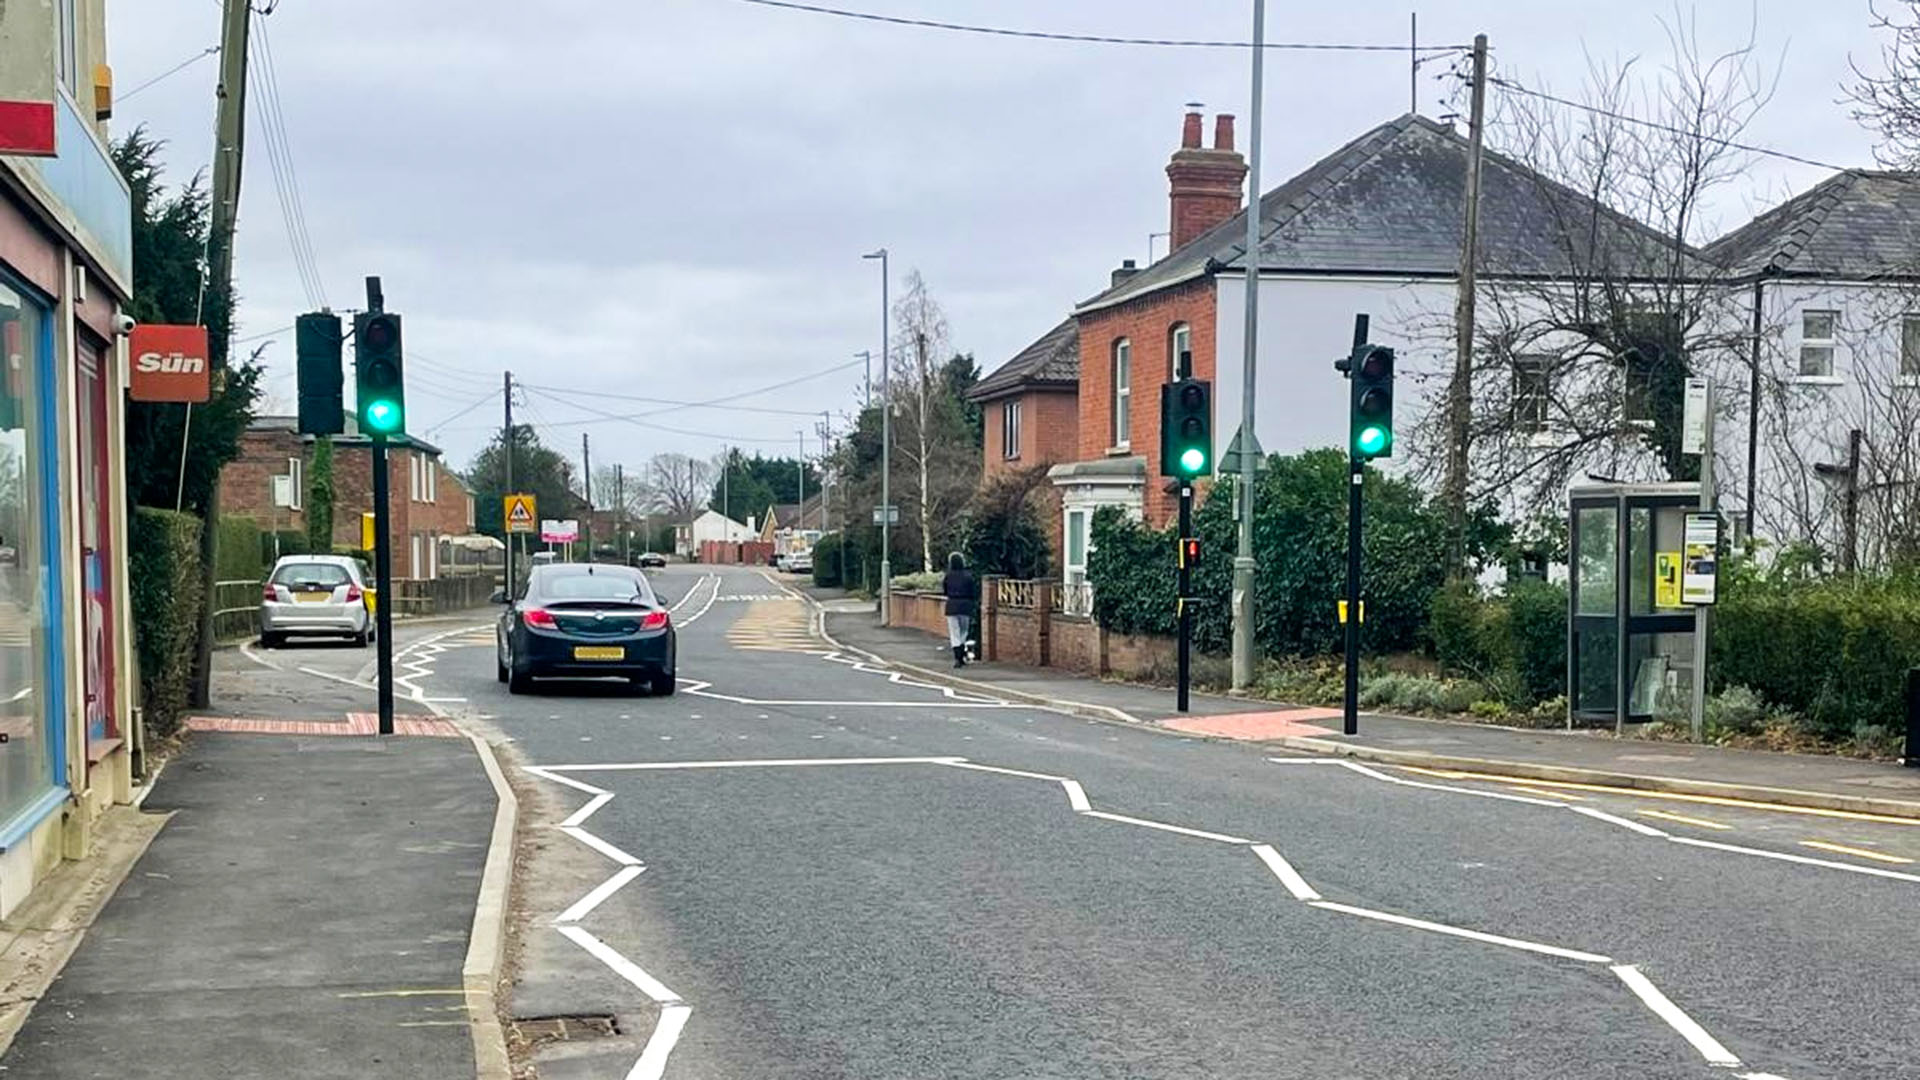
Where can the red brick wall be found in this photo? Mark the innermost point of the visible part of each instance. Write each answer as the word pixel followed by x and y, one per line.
pixel 1049 430
pixel 1146 323
pixel 246 484
pixel 921 611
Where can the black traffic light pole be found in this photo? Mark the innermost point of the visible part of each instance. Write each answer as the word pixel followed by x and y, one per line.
pixel 1356 473
pixel 382 549
pixel 1185 604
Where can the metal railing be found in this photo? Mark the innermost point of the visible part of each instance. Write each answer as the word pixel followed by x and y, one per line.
pixel 1009 593
pixel 236 609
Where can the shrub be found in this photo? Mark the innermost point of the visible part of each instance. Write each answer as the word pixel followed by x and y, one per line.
pixel 1516 643
pixel 1737 710
pixel 290 542
pixel 1536 639
pixel 237 551
pixel 1835 651
pixel 924 581
pixel 1004 535
pixel 1456 626
pixel 163 574
pixel 826 561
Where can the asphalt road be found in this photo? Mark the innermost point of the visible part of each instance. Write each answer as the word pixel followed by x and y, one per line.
pixel 793 868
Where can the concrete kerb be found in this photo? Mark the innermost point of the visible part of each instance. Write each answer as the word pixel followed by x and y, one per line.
pixel 486 944
pixel 1672 785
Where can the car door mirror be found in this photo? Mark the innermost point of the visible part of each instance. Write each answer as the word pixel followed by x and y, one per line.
pixel 499 597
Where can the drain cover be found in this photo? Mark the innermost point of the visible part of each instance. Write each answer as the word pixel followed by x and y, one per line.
pixel 546 1029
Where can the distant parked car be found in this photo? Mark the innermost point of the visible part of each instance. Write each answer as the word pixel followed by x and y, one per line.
pixel 800 562
pixel 315 594
pixel 584 621
pixel 650 559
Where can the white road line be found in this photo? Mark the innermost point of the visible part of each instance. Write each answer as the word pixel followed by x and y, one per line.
pixel 704 608
pixel 625 968
pixel 1643 988
pixel 585 905
pixel 1007 772
pixel 1284 870
pixel 762 763
pixel 246 650
pixel 1471 935
pixel 1164 827
pixel 337 678
pixel 599 845
pixel 542 773
pixel 587 810
pixel 666 1032
pixel 1871 871
pixel 1076 796
pixel 1304 760
pixel 1404 782
pixel 1614 819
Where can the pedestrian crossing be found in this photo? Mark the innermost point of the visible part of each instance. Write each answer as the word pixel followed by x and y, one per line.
pixel 776 624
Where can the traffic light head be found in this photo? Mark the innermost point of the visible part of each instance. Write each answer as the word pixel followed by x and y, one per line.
pixel 1370 424
pixel 317 351
pixel 1186 429
pixel 379 385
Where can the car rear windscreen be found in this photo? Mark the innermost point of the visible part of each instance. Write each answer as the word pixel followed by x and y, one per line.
pixel 624 588
pixel 311 575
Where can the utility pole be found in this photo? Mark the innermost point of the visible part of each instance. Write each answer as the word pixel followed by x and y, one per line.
pixel 1460 389
pixel 726 474
pixel 506 446
pixel 1243 561
pixel 586 487
pixel 800 512
pixel 620 512
pixel 1850 555
pixel 886 449
pixel 230 129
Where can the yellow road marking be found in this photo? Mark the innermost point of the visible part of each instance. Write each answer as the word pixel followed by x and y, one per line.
pixel 1666 815
pixel 1709 800
pixel 404 993
pixel 1441 773
pixel 1862 853
pixel 1549 794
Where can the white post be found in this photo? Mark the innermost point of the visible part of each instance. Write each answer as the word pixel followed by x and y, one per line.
pixel 1703 613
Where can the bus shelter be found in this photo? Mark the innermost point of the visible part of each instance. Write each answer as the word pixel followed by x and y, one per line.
pixel 1630 637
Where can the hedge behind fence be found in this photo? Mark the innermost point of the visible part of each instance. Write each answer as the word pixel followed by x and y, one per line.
pixel 163 574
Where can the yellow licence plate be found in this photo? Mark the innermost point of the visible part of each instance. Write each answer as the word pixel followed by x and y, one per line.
pixel 312 597
pixel 599 652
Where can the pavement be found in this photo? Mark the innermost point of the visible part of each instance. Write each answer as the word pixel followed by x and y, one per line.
pixel 808 864
pixel 1573 756
pixel 312 907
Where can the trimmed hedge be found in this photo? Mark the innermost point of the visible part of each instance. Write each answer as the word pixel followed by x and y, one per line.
pixel 292 542
pixel 163 574
pixel 237 551
pixel 826 562
pixel 1835 651
pixel 1515 643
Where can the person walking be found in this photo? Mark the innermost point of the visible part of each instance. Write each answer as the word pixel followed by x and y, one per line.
pixel 962 590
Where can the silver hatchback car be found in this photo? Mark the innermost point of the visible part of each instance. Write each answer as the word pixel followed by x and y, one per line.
pixel 315 594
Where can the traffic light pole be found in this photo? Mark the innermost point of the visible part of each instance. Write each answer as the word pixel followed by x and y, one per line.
pixel 382 556
pixel 1184 606
pixel 1356 475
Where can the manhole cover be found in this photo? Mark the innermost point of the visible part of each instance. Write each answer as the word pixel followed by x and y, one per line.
pixel 547 1029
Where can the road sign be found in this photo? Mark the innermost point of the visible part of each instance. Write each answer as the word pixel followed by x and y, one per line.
pixel 559 532
pixel 519 513
pixel 892 514
pixel 1230 461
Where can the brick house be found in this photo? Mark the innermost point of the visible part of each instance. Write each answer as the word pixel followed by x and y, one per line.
pixel 427 500
pixel 1032 409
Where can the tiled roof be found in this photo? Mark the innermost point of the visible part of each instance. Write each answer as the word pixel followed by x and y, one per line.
pixel 1391 202
pixel 1852 225
pixel 1052 360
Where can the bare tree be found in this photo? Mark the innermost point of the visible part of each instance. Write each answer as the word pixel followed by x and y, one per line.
pixel 930 430
pixel 1584 342
pixel 678 485
pixel 1888 103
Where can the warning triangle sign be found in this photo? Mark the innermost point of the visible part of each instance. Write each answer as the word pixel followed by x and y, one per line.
pixel 520 515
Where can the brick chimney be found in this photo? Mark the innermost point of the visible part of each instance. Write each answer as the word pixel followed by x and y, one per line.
pixel 1127 269
pixel 1204 184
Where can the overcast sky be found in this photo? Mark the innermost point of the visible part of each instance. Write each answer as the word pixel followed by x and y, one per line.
pixel 670 198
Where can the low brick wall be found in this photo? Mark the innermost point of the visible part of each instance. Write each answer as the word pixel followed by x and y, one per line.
pixel 919 610
pixel 1038 636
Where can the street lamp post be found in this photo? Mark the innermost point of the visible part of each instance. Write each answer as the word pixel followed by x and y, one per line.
pixel 886 451
pixel 1243 561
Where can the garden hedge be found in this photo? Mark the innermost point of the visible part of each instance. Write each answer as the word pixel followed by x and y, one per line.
pixel 237 551
pixel 1836 651
pixel 163 573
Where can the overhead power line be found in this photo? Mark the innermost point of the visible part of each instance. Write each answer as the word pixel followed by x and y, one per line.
pixel 636 419
pixel 266 84
pixel 1514 87
pixel 174 70
pixel 1095 39
pixel 670 401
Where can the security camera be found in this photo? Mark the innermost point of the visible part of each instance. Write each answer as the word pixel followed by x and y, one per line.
pixel 123 324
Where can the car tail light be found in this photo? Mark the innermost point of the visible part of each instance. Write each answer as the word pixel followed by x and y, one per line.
pixel 270 594
pixel 353 593
pixel 539 618
pixel 654 620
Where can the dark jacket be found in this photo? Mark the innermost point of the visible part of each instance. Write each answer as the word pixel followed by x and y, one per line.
pixel 962 590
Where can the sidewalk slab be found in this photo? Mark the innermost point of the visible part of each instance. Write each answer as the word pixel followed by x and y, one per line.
pixel 1808 780
pixel 305 912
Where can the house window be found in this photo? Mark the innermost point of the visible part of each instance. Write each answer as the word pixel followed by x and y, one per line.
pixel 431 469
pixel 1636 399
pixel 1010 430
pixel 1122 393
pixel 1532 392
pixel 1910 347
pixel 1179 342
pixel 67 44
pixel 1817 329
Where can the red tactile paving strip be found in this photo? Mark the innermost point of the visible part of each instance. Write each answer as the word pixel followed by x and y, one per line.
pixel 1262 725
pixel 355 724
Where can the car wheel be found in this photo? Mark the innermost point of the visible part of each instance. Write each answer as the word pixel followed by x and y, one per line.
pixel 272 641
pixel 518 681
pixel 499 667
pixel 360 639
pixel 662 684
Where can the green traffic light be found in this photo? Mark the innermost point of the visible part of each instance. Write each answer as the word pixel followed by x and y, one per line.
pixel 383 416
pixel 1372 439
pixel 1193 460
